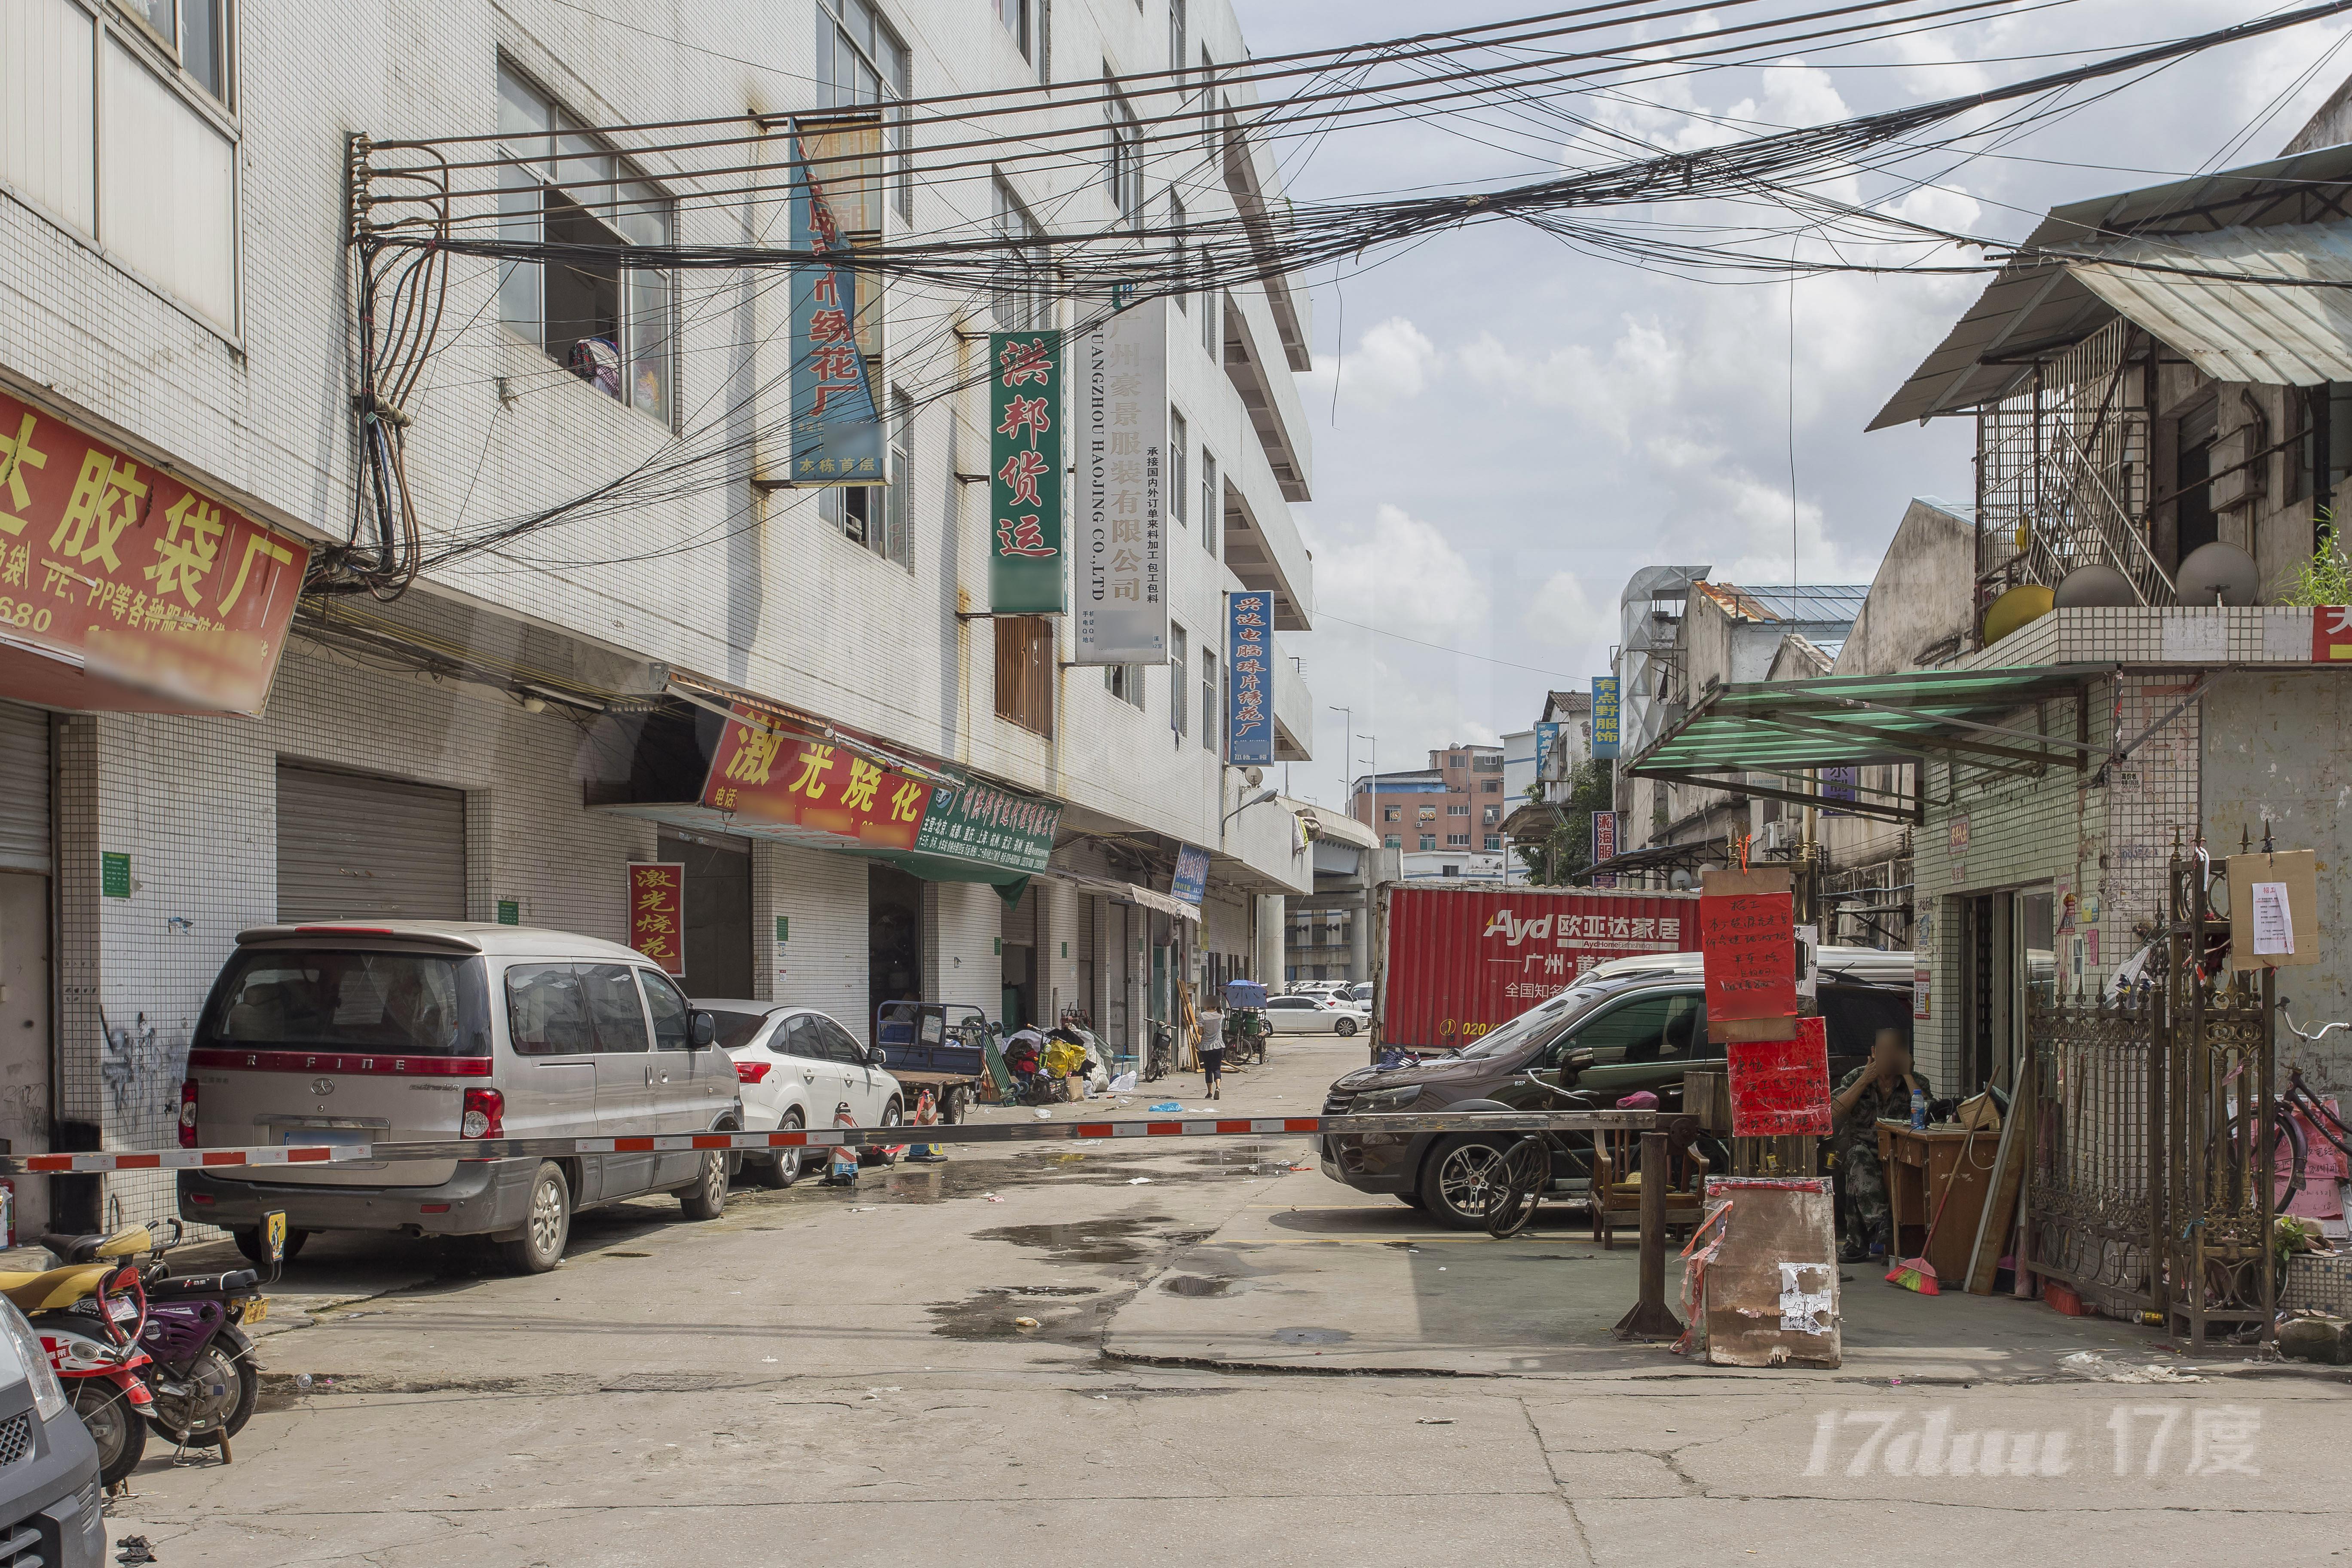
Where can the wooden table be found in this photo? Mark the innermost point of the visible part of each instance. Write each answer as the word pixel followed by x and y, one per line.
pixel 1920 1165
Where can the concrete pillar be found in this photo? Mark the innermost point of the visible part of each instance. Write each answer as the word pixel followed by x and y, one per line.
pixel 1271 914
pixel 1360 941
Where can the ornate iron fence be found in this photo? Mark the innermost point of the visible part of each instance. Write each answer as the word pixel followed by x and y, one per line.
pixel 2095 1186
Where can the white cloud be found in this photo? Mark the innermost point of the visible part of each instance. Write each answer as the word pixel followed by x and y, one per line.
pixel 1403 574
pixel 1390 363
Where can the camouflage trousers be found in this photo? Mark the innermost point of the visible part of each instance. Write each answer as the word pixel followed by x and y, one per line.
pixel 1869 1214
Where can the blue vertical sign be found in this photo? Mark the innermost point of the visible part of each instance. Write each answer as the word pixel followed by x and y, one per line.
pixel 1547 738
pixel 1604 716
pixel 1249 667
pixel 836 438
pixel 1190 883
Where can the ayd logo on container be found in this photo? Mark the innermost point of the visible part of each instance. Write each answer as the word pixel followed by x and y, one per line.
pixel 1514 930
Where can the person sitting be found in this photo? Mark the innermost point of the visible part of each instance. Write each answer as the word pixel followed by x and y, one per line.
pixel 1882 1087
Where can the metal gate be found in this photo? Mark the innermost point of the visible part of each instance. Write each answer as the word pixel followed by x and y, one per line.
pixel 2095 1186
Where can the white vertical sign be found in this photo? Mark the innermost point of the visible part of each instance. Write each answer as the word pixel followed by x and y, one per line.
pixel 1120 386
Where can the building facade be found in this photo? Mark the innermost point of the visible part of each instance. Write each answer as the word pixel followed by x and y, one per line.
pixel 618 585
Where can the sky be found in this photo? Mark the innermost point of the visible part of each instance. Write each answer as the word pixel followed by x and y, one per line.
pixel 1503 429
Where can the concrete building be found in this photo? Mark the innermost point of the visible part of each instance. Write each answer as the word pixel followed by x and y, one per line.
pixel 616 567
pixel 1403 809
pixel 1327 933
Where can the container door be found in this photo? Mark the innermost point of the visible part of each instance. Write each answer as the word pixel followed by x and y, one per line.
pixel 624 1074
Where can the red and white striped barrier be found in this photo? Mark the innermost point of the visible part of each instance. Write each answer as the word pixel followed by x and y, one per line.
pixel 828 1138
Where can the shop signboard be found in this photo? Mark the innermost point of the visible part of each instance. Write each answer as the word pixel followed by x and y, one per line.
pixel 657 912
pixel 1191 880
pixel 993 826
pixel 1249 669
pixel 1604 716
pixel 766 777
pixel 1780 1088
pixel 836 438
pixel 1749 937
pixel 1024 485
pixel 1547 739
pixel 1605 845
pixel 116 568
pixel 1121 375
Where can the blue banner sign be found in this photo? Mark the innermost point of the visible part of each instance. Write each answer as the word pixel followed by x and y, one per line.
pixel 1604 716
pixel 836 438
pixel 1547 739
pixel 1191 881
pixel 1249 666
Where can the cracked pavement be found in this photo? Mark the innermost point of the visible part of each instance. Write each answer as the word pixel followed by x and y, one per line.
pixel 819 1375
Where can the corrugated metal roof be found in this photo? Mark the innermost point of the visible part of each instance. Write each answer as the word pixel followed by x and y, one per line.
pixel 1823 602
pixel 2239 332
pixel 2037 307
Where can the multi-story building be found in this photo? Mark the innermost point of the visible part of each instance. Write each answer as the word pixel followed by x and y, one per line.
pixel 618 575
pixel 1406 809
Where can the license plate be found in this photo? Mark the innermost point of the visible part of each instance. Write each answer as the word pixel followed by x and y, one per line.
pixel 342 1137
pixel 256 1309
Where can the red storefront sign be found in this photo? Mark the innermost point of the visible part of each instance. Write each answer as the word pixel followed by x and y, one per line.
pixel 765 776
pixel 2331 633
pixel 122 587
pixel 657 912
pixel 1780 1088
pixel 1457 962
pixel 1751 956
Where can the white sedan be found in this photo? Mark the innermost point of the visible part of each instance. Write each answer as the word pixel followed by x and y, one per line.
pixel 1312 1015
pixel 796 1068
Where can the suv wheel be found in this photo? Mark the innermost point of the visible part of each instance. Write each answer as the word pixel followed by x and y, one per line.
pixel 706 1198
pixel 547 1224
pixel 1453 1185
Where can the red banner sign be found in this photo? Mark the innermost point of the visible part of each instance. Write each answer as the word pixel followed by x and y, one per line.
pixel 766 777
pixel 1749 944
pixel 657 912
pixel 112 566
pixel 1780 1088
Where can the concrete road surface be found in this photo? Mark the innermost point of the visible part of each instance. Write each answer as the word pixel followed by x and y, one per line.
pixel 1081 1354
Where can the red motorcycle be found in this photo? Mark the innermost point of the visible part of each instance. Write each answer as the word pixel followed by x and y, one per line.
pixel 97 1352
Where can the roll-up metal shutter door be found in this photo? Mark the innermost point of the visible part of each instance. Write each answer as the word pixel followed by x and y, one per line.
pixel 23 788
pixel 361 847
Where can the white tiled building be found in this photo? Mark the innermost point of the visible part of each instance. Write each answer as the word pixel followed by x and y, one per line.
pixel 174 282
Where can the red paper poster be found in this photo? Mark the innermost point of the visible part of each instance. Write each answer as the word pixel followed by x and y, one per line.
pixel 1780 1088
pixel 1749 944
pixel 2331 633
pixel 657 912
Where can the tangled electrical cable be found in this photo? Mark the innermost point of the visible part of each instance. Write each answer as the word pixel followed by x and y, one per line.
pixel 412 213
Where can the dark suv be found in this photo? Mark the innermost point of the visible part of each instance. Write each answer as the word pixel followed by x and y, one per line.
pixel 1607 1036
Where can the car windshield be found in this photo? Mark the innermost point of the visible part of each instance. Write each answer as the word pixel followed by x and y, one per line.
pixel 736 1029
pixel 406 1002
pixel 1541 1019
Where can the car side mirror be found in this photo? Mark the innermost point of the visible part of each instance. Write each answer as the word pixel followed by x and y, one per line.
pixel 702 1028
pixel 877 1057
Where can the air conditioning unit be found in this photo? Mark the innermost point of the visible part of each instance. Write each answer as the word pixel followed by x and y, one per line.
pixel 1774 837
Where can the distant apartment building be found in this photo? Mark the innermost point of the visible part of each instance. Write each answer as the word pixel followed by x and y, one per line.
pixel 1454 807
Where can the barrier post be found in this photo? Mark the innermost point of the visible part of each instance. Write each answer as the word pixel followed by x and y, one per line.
pixel 1650 1317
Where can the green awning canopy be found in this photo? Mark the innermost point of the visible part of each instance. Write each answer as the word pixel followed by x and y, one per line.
pixel 1771 738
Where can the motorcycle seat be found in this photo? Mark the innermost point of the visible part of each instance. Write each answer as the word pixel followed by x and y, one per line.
pixel 230 1283
pixel 53 1288
pixel 88 1248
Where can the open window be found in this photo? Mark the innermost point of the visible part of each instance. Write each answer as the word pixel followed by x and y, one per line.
pixel 1024 672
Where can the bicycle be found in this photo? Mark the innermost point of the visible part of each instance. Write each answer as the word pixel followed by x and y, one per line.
pixel 1516 1182
pixel 1163 1060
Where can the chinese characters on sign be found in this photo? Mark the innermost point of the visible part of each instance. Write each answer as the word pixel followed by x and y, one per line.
pixel 1122 370
pixel 1191 880
pixel 1780 1088
pixel 2331 633
pixel 1604 716
pixel 993 826
pixel 1748 940
pixel 1024 485
pixel 836 438
pixel 112 565
pixel 765 776
pixel 1547 737
pixel 1605 845
pixel 1249 667
pixel 1840 784
pixel 657 912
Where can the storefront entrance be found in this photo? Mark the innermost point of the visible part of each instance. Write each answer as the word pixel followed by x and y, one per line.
pixel 25 1019
pixel 717 912
pixel 894 948
pixel 2008 951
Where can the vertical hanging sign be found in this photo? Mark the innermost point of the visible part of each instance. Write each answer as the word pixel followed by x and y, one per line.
pixel 1025 486
pixel 657 912
pixel 1249 665
pixel 1122 388
pixel 836 438
pixel 1604 716
pixel 1605 845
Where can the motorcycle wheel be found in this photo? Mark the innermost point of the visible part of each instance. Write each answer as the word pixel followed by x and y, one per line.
pixel 114 1426
pixel 222 1391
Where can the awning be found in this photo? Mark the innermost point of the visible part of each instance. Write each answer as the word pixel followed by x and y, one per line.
pixel 1661 857
pixel 1766 738
pixel 1128 893
pixel 2272 335
pixel 2039 306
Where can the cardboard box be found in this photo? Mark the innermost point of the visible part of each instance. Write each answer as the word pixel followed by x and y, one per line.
pixel 1770 1290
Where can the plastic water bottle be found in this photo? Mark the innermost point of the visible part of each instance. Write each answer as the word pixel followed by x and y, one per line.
pixel 1918 1112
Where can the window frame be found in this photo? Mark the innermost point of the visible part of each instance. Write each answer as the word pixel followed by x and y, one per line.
pixel 1123 156
pixel 1180 695
pixel 1179 439
pixel 1027 653
pixel 1211 709
pixel 1213 510
pixel 1125 682
pixel 174 47
pixel 1024 303
pixel 897 147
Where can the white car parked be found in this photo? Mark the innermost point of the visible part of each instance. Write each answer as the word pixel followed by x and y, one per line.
pixel 1313 1016
pixel 794 1067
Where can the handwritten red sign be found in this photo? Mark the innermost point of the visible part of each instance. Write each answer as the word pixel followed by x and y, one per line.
pixel 657 912
pixel 1749 942
pixel 762 776
pixel 1780 1088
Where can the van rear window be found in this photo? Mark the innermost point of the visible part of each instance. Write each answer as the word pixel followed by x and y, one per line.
pixel 403 1002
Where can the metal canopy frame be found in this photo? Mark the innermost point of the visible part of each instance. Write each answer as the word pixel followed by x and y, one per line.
pixel 1783 732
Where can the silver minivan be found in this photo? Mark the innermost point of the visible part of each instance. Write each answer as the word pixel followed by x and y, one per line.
pixel 443 1029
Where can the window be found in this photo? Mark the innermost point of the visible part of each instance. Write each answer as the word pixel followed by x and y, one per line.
pixel 1428 841
pixel 348 1001
pixel 1176 434
pixel 1391 841
pixel 1024 672
pixel 894 545
pixel 1645 1029
pixel 672 1016
pixel 1490 786
pixel 1019 298
pixel 1212 503
pixel 614 1007
pixel 1208 101
pixel 1428 814
pixel 1391 814
pixel 610 327
pixel 1487 763
pixel 1456 760
pixel 1184 258
pixel 1176 35
pixel 1016 16
pixel 1457 841
pixel 1212 313
pixel 1455 810
pixel 1493 843
pixel 875 515
pixel 197 31
pixel 1494 814
pixel 865 63
pixel 1211 709
pixel 1125 682
pixel 1179 699
pixel 1126 165
pixel 804 1037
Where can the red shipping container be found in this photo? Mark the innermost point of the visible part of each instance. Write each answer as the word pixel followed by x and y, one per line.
pixel 1456 961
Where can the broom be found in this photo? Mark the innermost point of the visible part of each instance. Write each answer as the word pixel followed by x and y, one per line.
pixel 1918 1273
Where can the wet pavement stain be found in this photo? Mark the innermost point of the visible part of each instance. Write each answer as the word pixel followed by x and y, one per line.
pixel 994 1314
pixel 1310 1336
pixel 1195 1285
pixel 1128 1239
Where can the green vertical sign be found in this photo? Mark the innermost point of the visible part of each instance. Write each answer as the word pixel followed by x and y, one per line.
pixel 1024 466
pixel 113 874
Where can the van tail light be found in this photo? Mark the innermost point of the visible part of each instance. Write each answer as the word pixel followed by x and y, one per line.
pixel 752 1072
pixel 485 1115
pixel 188 1114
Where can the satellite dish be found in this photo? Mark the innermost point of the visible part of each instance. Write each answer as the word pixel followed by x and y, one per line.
pixel 1255 776
pixel 2026 601
pixel 1680 881
pixel 2096 588
pixel 2218 573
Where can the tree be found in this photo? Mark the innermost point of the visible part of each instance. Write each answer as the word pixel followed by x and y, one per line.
pixel 1566 853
